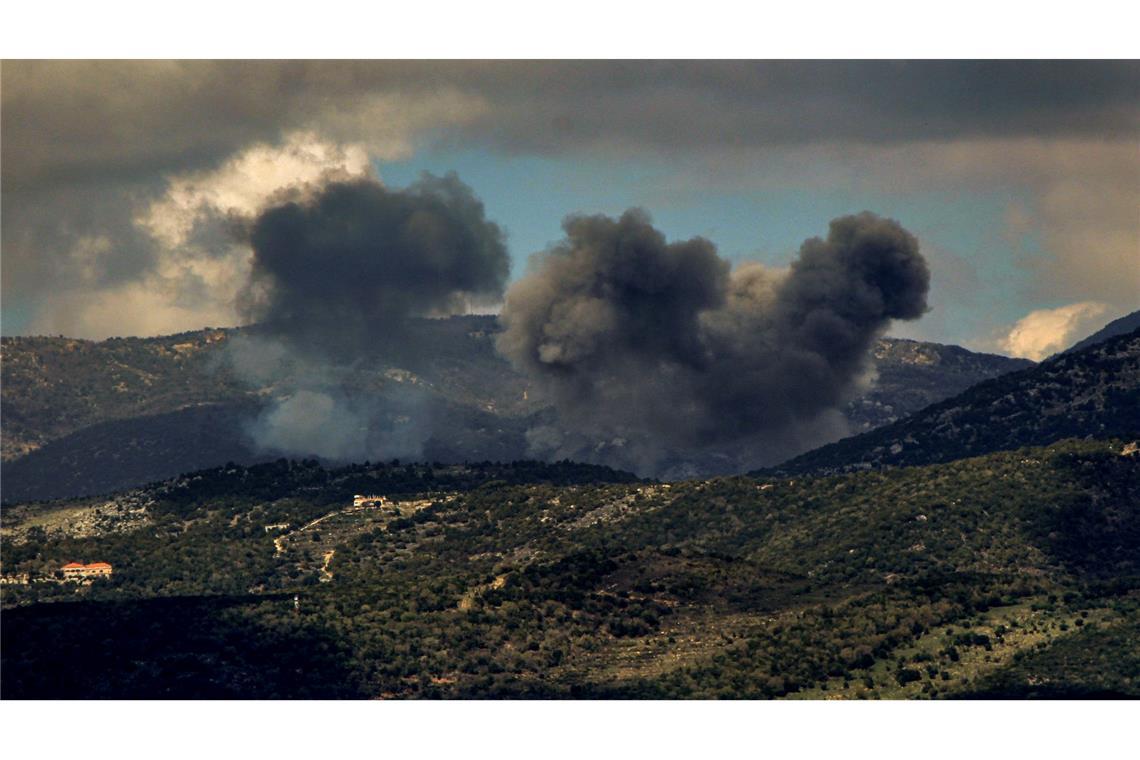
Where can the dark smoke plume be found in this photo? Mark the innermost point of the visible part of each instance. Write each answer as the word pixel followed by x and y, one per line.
pixel 338 277
pixel 651 349
pixel 345 268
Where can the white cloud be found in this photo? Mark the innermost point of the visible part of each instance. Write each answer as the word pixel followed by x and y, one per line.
pixel 1044 332
pixel 198 267
pixel 141 307
pixel 244 183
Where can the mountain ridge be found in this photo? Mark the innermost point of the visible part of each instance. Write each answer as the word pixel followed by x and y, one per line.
pixel 1125 324
pixel 84 417
pixel 1092 392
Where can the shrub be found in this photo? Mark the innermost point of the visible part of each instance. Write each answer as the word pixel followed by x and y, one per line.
pixel 907 675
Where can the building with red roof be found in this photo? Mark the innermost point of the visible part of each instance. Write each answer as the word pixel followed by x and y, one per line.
pixel 79 570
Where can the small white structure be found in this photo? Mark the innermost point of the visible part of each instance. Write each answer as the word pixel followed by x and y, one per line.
pixel 368 501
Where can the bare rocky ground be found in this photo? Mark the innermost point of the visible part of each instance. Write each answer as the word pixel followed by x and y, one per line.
pixel 120 513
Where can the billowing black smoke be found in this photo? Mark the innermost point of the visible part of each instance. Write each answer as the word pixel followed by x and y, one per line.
pixel 655 353
pixel 340 274
pixel 343 270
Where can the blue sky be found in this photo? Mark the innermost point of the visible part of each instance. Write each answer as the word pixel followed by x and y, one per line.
pixel 975 280
pixel 1019 178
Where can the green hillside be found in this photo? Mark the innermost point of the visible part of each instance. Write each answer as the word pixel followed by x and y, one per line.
pixel 527 580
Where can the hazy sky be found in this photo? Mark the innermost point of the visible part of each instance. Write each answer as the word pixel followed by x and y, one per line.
pixel 125 184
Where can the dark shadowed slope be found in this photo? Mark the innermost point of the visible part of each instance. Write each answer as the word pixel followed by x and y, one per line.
pixel 122 453
pixel 912 375
pixel 1089 393
pixel 1125 324
pixel 53 387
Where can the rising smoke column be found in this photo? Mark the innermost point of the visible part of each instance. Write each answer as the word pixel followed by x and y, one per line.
pixel 338 274
pixel 343 269
pixel 662 348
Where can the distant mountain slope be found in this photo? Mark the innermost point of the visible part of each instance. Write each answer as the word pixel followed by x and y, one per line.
pixel 913 374
pixel 54 387
pixel 1125 324
pixel 83 417
pixel 122 453
pixel 1090 393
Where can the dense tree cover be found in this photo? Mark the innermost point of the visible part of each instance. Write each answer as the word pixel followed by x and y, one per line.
pixel 1095 662
pixel 527 580
pixel 285 477
pixel 207 530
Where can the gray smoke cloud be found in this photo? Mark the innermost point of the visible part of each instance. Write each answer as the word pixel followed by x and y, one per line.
pixel 88 145
pixel 346 267
pixel 339 424
pixel 337 277
pixel 655 353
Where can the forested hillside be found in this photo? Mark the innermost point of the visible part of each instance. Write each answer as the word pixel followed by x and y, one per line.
pixel 969 578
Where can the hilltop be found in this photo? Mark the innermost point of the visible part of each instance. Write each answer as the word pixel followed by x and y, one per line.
pixel 56 387
pixel 1126 324
pixel 910 375
pixel 1094 392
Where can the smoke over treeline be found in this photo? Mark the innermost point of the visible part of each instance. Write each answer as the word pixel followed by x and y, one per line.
pixel 651 350
pixel 338 273
pixel 655 355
